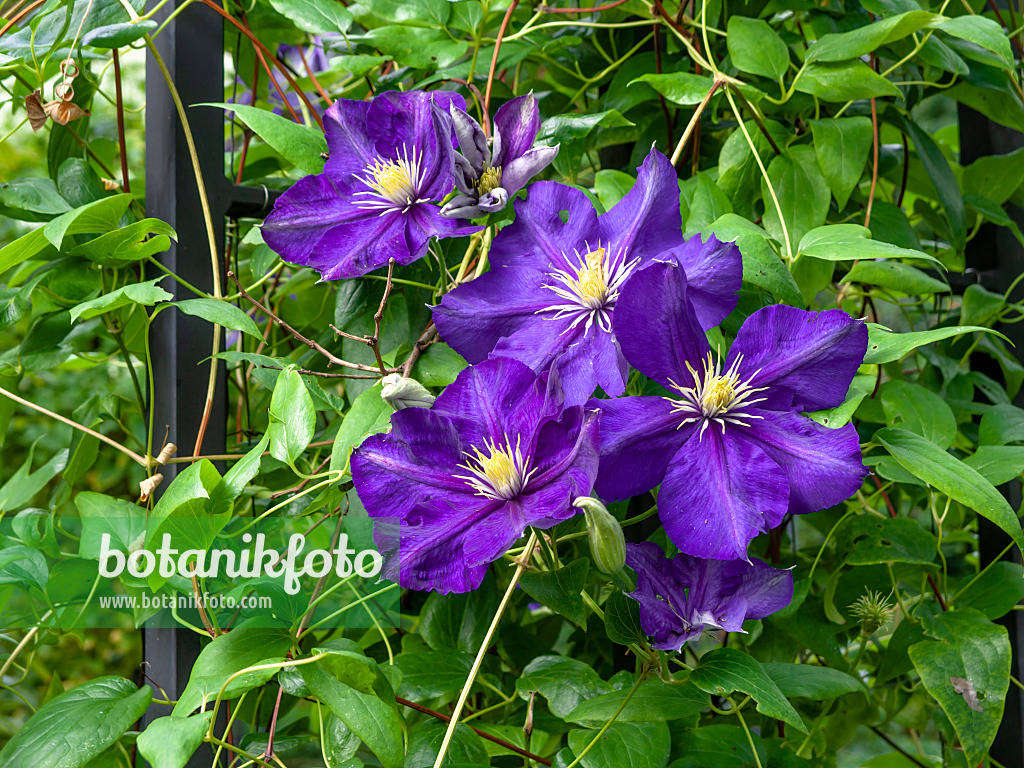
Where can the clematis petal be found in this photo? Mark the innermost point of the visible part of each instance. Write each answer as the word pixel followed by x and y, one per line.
pixel 516 174
pixel 539 236
pixel 719 493
pixel 414 463
pixel 540 342
pixel 566 452
pixel 472 141
pixel 515 127
pixel 823 466
pixel 349 145
pixel 639 436
pixel 647 220
pixel 714 273
pixel 592 359
pixel 473 317
pixel 657 327
pixel 463 174
pixel 461 207
pixel 495 200
pixel 812 355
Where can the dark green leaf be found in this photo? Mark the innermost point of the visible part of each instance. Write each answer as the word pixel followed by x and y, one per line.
pixel 560 590
pixel 997 463
pixel 222 313
pixel 844 81
pixel 802 192
pixel 298 144
pixel 812 682
pixel 682 88
pixel 417 47
pixel 466 747
pixel 755 47
pixel 995 591
pixel 622 619
pixel 842 146
pixel 894 276
pixel 981 31
pixel 459 622
pixel 653 701
pixel 919 410
pixel 725 670
pixel 564 682
pixel 942 177
pixel 855 43
pixel 637 745
pixel 866 540
pixel 1002 424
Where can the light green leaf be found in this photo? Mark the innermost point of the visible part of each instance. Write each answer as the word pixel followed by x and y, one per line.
pixel 292 417
pixel 846 242
pixel 637 745
pixel 802 192
pixel 222 313
pixel 755 47
pixel 170 741
pixel 996 177
pixel 842 145
pixel 368 415
pixel 78 725
pixel 761 265
pixel 839 46
pixel 725 670
pixel 919 410
pixel 952 477
pixel 1002 424
pixel 315 16
pixel 129 244
pixel 981 31
pixel 146 294
pixel 812 682
pixel 610 186
pixel 683 88
pixel 298 144
pixel 834 418
pixel 997 463
pixel 654 701
pixel 884 346
pixel 844 81
pixel 894 276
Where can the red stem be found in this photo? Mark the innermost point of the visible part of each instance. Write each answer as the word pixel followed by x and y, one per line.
pixel 120 123
pixel 497 48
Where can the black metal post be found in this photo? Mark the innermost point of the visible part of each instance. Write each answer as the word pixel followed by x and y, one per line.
pixel 996 259
pixel 192 47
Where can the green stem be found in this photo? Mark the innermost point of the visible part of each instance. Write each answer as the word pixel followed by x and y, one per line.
pixel 606 726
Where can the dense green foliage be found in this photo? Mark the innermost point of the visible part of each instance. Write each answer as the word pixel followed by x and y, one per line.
pixel 821 137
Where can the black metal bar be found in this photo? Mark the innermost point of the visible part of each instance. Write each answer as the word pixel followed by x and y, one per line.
pixel 996 258
pixel 192 47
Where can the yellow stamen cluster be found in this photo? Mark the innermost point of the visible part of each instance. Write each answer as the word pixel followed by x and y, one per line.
pixel 395 183
pixel 716 396
pixel 500 473
pixel 489 181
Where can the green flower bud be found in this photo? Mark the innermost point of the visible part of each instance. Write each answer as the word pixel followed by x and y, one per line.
pixel 400 392
pixel 607 544
pixel 872 611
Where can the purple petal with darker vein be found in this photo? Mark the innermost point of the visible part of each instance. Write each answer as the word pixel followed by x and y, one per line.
pixel 647 219
pixel 823 466
pixel 592 359
pixel 539 237
pixel 515 127
pixel 305 213
pixel 473 317
pixel 516 174
pixel 813 355
pixel 720 492
pixel 639 435
pixel 714 273
pixel 348 144
pixel 471 138
pixel 657 327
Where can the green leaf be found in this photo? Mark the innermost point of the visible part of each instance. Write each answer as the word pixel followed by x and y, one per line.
pixel 919 410
pixel 101 514
pixel 755 47
pixel 459 621
pixel 844 81
pixel 186 498
pixel 981 31
pixel 222 313
pixel 24 484
pixel 894 276
pixel 997 463
pixel 348 664
pixel 846 242
pixel 995 591
pixel 298 144
pixel 1002 424
pixel 637 745
pixel 842 145
pixel 31 200
pixel 976 653
pixel 316 16
pixel 980 306
pixel 952 477
pixel 654 701
pixel 560 590
pixel 235 479
pixel 610 186
pixel 761 265
pixel 707 202
pixel 622 619
pixel 433 674
pixel 884 346
pixel 369 718
pixel 723 746
pixel 359 64
pixel 834 418
pixel 683 88
pixel 867 540
pixel 146 294
pixel 95 218
pixel 170 741
pixel 724 670
pixel 292 417
pixel 114 36
pixel 78 725
pixel 129 244
pixel 996 177
pixel 573 127
pixel 564 682
pixel 368 415
pixel 802 192
pixel 466 748
pixel 438 366
pixel 812 682
pixel 244 646
pixel 855 43
pixel 942 176
pixel 417 47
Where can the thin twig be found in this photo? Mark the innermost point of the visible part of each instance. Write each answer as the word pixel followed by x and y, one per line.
pixel 316 83
pixel 497 47
pixel 874 164
pixel 269 751
pixel 379 315
pixel 424 341
pixel 323 375
pixel 120 123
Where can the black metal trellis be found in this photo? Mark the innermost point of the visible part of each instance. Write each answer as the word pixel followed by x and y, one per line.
pixel 192 46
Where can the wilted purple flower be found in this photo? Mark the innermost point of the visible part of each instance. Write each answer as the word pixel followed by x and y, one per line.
pixel 730 448
pixel 390 160
pixel 556 275
pixel 682 596
pixel 488 179
pixel 497 452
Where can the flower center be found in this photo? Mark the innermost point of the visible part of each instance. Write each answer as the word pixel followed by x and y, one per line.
pixel 716 396
pixel 489 181
pixel 590 289
pixel 500 473
pixel 393 184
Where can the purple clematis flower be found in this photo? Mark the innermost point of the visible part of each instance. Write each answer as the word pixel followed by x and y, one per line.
pixel 682 596
pixel 390 160
pixel 730 448
pixel 557 272
pixel 497 452
pixel 486 179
